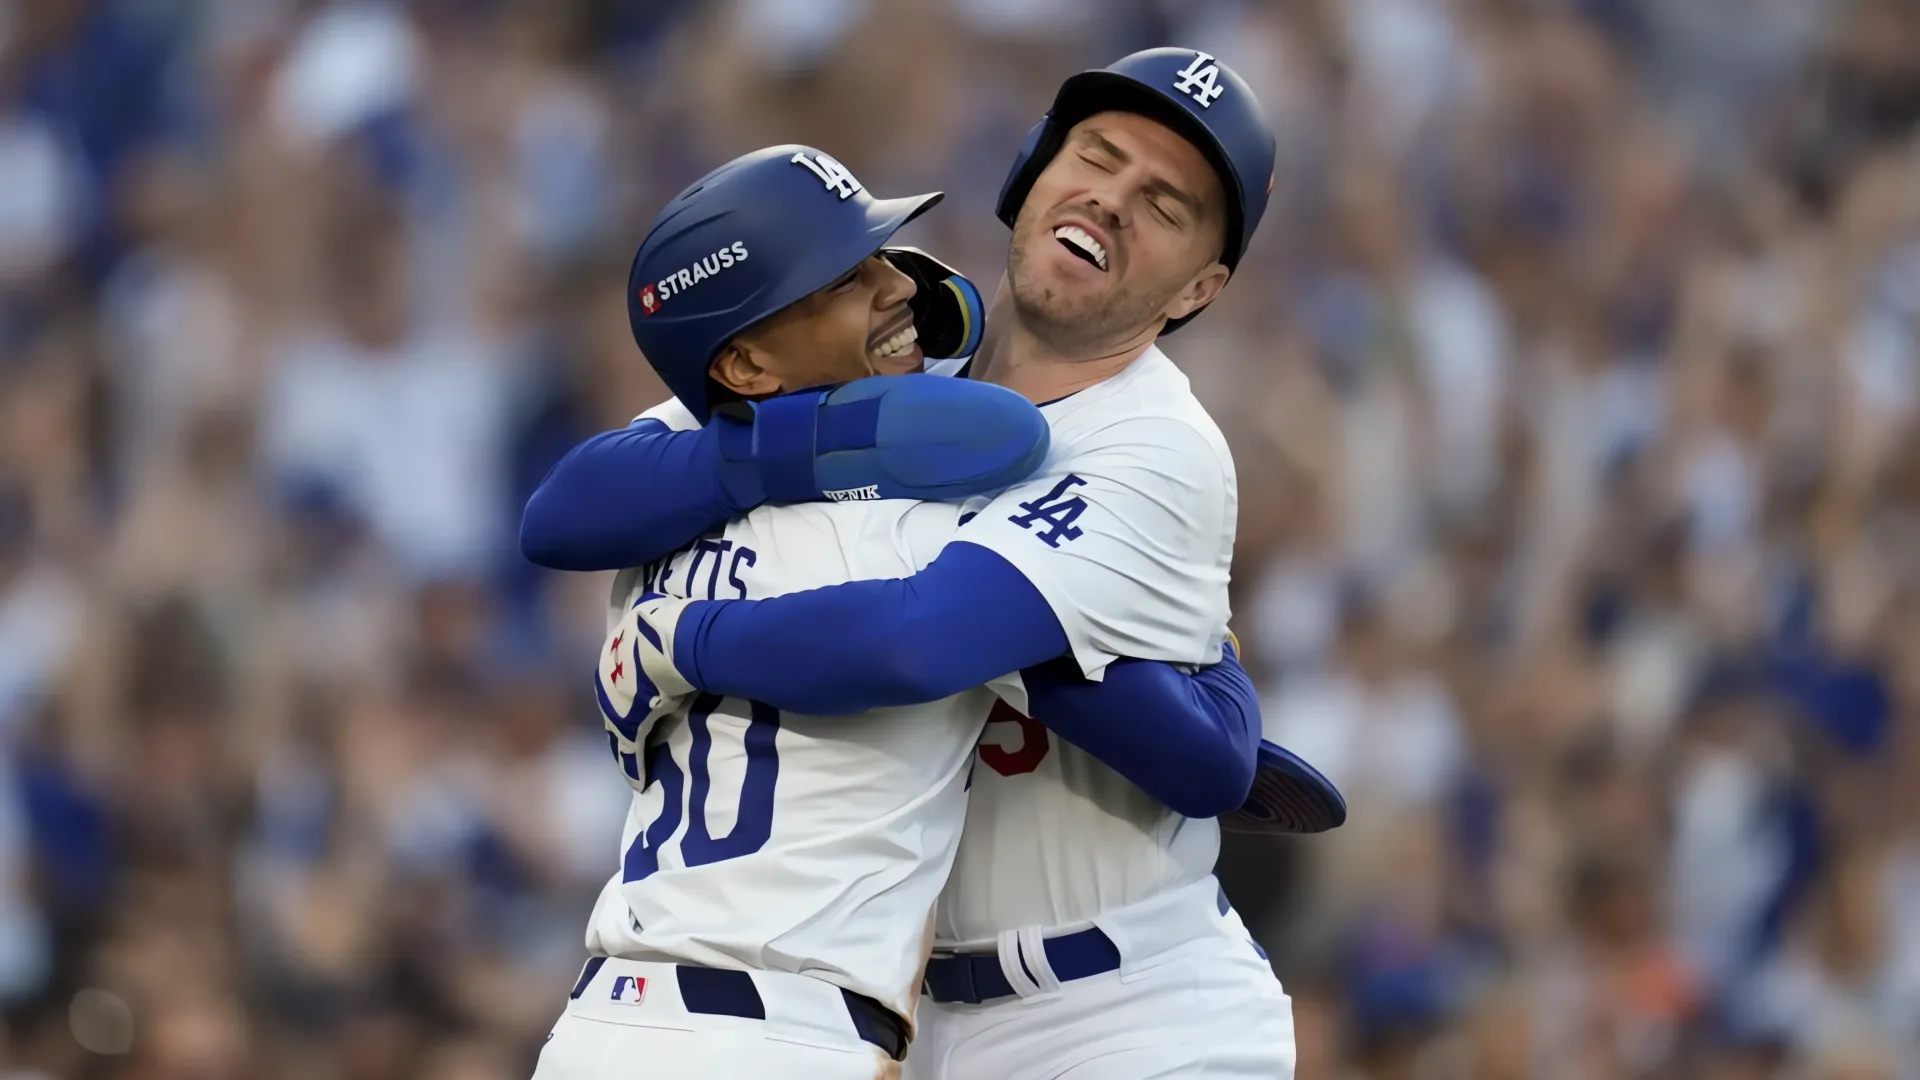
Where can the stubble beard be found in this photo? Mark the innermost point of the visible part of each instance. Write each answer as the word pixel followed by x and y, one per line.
pixel 1075 327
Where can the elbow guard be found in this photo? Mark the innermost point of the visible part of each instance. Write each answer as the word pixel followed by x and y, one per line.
pixel 890 437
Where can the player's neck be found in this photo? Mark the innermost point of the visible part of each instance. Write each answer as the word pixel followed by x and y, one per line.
pixel 1011 355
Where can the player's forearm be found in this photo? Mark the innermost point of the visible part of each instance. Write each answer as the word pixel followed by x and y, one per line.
pixel 627 497
pixel 963 621
pixel 1191 741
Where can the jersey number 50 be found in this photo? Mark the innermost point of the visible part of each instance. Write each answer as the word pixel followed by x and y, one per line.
pixel 752 825
pixel 1021 758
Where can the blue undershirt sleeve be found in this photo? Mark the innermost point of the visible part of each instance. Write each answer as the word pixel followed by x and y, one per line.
pixel 966 619
pixel 625 498
pixel 1190 741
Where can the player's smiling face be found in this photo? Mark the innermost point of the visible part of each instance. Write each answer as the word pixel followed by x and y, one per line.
pixel 1123 228
pixel 858 325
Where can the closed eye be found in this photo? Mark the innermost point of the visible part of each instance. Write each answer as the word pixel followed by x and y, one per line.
pixel 846 281
pixel 1103 166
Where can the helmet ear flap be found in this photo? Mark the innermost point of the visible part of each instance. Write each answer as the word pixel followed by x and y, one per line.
pixel 1042 142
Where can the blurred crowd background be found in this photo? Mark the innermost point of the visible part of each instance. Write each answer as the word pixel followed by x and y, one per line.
pixel 1573 384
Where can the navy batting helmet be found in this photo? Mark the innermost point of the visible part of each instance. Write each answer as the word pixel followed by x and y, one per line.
pixel 749 238
pixel 1191 92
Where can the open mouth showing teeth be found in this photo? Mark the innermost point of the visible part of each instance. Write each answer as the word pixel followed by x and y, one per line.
pixel 1081 243
pixel 898 343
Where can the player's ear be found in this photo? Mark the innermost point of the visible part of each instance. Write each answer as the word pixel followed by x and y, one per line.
pixel 740 367
pixel 1199 292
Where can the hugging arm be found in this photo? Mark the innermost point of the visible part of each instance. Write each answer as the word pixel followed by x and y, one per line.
pixel 1189 740
pixel 970 617
pixel 625 498
pixel 628 497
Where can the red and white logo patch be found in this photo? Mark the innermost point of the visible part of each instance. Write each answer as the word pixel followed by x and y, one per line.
pixel 617 682
pixel 649 300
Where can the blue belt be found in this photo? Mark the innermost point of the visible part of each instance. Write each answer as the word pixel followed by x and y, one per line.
pixel 973 979
pixel 719 992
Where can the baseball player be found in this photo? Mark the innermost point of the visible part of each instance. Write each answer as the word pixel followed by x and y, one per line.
pixel 1082 933
pixel 771 915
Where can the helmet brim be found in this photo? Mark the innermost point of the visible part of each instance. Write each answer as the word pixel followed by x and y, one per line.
pixel 1289 797
pixel 889 216
pixel 827 264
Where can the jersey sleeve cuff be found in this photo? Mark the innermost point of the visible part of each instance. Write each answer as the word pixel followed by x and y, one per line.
pixel 1033 565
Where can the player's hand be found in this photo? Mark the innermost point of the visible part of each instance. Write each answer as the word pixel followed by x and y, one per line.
pixel 654 617
pixel 637 680
pixel 883 437
pixel 947 310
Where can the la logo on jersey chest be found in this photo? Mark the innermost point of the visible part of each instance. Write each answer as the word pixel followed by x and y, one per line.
pixel 1058 509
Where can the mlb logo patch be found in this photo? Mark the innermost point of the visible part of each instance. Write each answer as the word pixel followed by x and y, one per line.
pixel 649 300
pixel 629 989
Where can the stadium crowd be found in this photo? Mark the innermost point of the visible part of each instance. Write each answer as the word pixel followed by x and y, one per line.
pixel 1573 384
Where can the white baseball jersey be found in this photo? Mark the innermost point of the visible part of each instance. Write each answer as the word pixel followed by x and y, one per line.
pixel 1127 530
pixel 770 841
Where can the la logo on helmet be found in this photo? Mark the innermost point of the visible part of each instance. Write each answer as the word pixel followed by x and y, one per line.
pixel 831 173
pixel 1200 80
